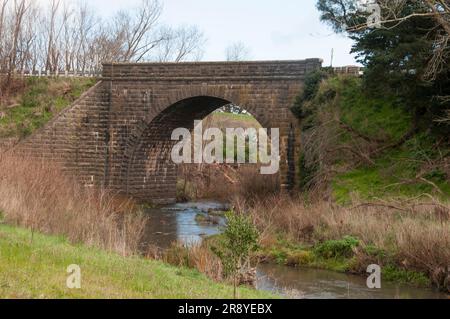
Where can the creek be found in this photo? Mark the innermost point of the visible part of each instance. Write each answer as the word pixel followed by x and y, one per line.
pixel 180 222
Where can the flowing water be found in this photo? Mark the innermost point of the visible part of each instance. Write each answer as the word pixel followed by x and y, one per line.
pixel 180 223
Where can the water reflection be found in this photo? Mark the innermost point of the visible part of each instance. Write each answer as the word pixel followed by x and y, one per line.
pixel 178 223
pixel 322 284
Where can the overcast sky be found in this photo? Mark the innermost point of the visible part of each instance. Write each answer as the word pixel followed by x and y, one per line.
pixel 272 29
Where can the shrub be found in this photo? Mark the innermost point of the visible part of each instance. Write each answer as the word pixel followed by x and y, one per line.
pixel 311 87
pixel 239 239
pixel 302 257
pixel 343 248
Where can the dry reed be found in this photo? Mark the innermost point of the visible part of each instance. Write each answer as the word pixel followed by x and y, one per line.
pixel 37 195
pixel 415 234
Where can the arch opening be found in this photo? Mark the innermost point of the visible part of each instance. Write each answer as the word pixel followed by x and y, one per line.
pixel 152 176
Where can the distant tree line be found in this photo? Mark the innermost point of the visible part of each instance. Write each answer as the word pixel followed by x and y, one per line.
pixel 61 35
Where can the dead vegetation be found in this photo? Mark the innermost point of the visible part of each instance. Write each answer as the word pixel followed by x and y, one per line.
pixel 198 257
pixel 411 234
pixel 37 195
pixel 223 182
pixel 9 90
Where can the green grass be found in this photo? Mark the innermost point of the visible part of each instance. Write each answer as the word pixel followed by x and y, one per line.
pixel 326 255
pixel 38 102
pixel 233 116
pixel 385 117
pixel 394 172
pixel 37 269
pixel 393 175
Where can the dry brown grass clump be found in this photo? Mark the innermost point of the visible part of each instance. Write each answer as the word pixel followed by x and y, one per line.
pixel 37 195
pixel 9 89
pixel 414 235
pixel 198 257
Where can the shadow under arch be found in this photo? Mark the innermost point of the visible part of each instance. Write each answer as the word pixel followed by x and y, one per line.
pixel 149 172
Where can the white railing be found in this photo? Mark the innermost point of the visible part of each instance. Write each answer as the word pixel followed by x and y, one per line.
pixel 350 70
pixel 48 73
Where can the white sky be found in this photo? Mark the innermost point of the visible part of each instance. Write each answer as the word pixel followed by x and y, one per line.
pixel 283 29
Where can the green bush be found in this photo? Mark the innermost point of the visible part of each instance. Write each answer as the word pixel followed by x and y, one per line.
pixel 239 240
pixel 395 274
pixel 342 248
pixel 311 87
pixel 300 258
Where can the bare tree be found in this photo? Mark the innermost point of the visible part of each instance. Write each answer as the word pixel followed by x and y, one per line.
pixel 85 24
pixel 51 35
pixel 188 43
pixel 27 37
pixel 3 6
pixel 237 51
pixel 20 8
pixel 181 44
pixel 65 35
pixel 134 28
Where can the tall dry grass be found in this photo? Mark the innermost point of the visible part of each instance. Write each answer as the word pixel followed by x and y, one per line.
pixel 198 257
pixel 224 182
pixel 37 195
pixel 415 234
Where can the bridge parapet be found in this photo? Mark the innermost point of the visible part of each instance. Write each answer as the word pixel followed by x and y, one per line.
pixel 254 70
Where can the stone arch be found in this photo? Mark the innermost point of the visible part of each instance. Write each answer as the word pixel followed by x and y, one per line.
pixel 237 94
pixel 148 172
pixel 103 134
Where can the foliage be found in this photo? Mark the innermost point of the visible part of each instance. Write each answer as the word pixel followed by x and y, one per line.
pixel 239 240
pixel 354 144
pixel 395 172
pixel 342 248
pixel 398 57
pixel 395 274
pixel 306 173
pixel 311 86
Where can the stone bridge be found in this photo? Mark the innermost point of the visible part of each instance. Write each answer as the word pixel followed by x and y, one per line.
pixel 118 134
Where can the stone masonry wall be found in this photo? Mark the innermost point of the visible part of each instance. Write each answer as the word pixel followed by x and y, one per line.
pixel 117 134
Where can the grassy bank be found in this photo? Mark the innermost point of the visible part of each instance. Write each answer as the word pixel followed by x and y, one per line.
pixel 36 268
pixel 369 147
pixel 100 232
pixel 31 102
